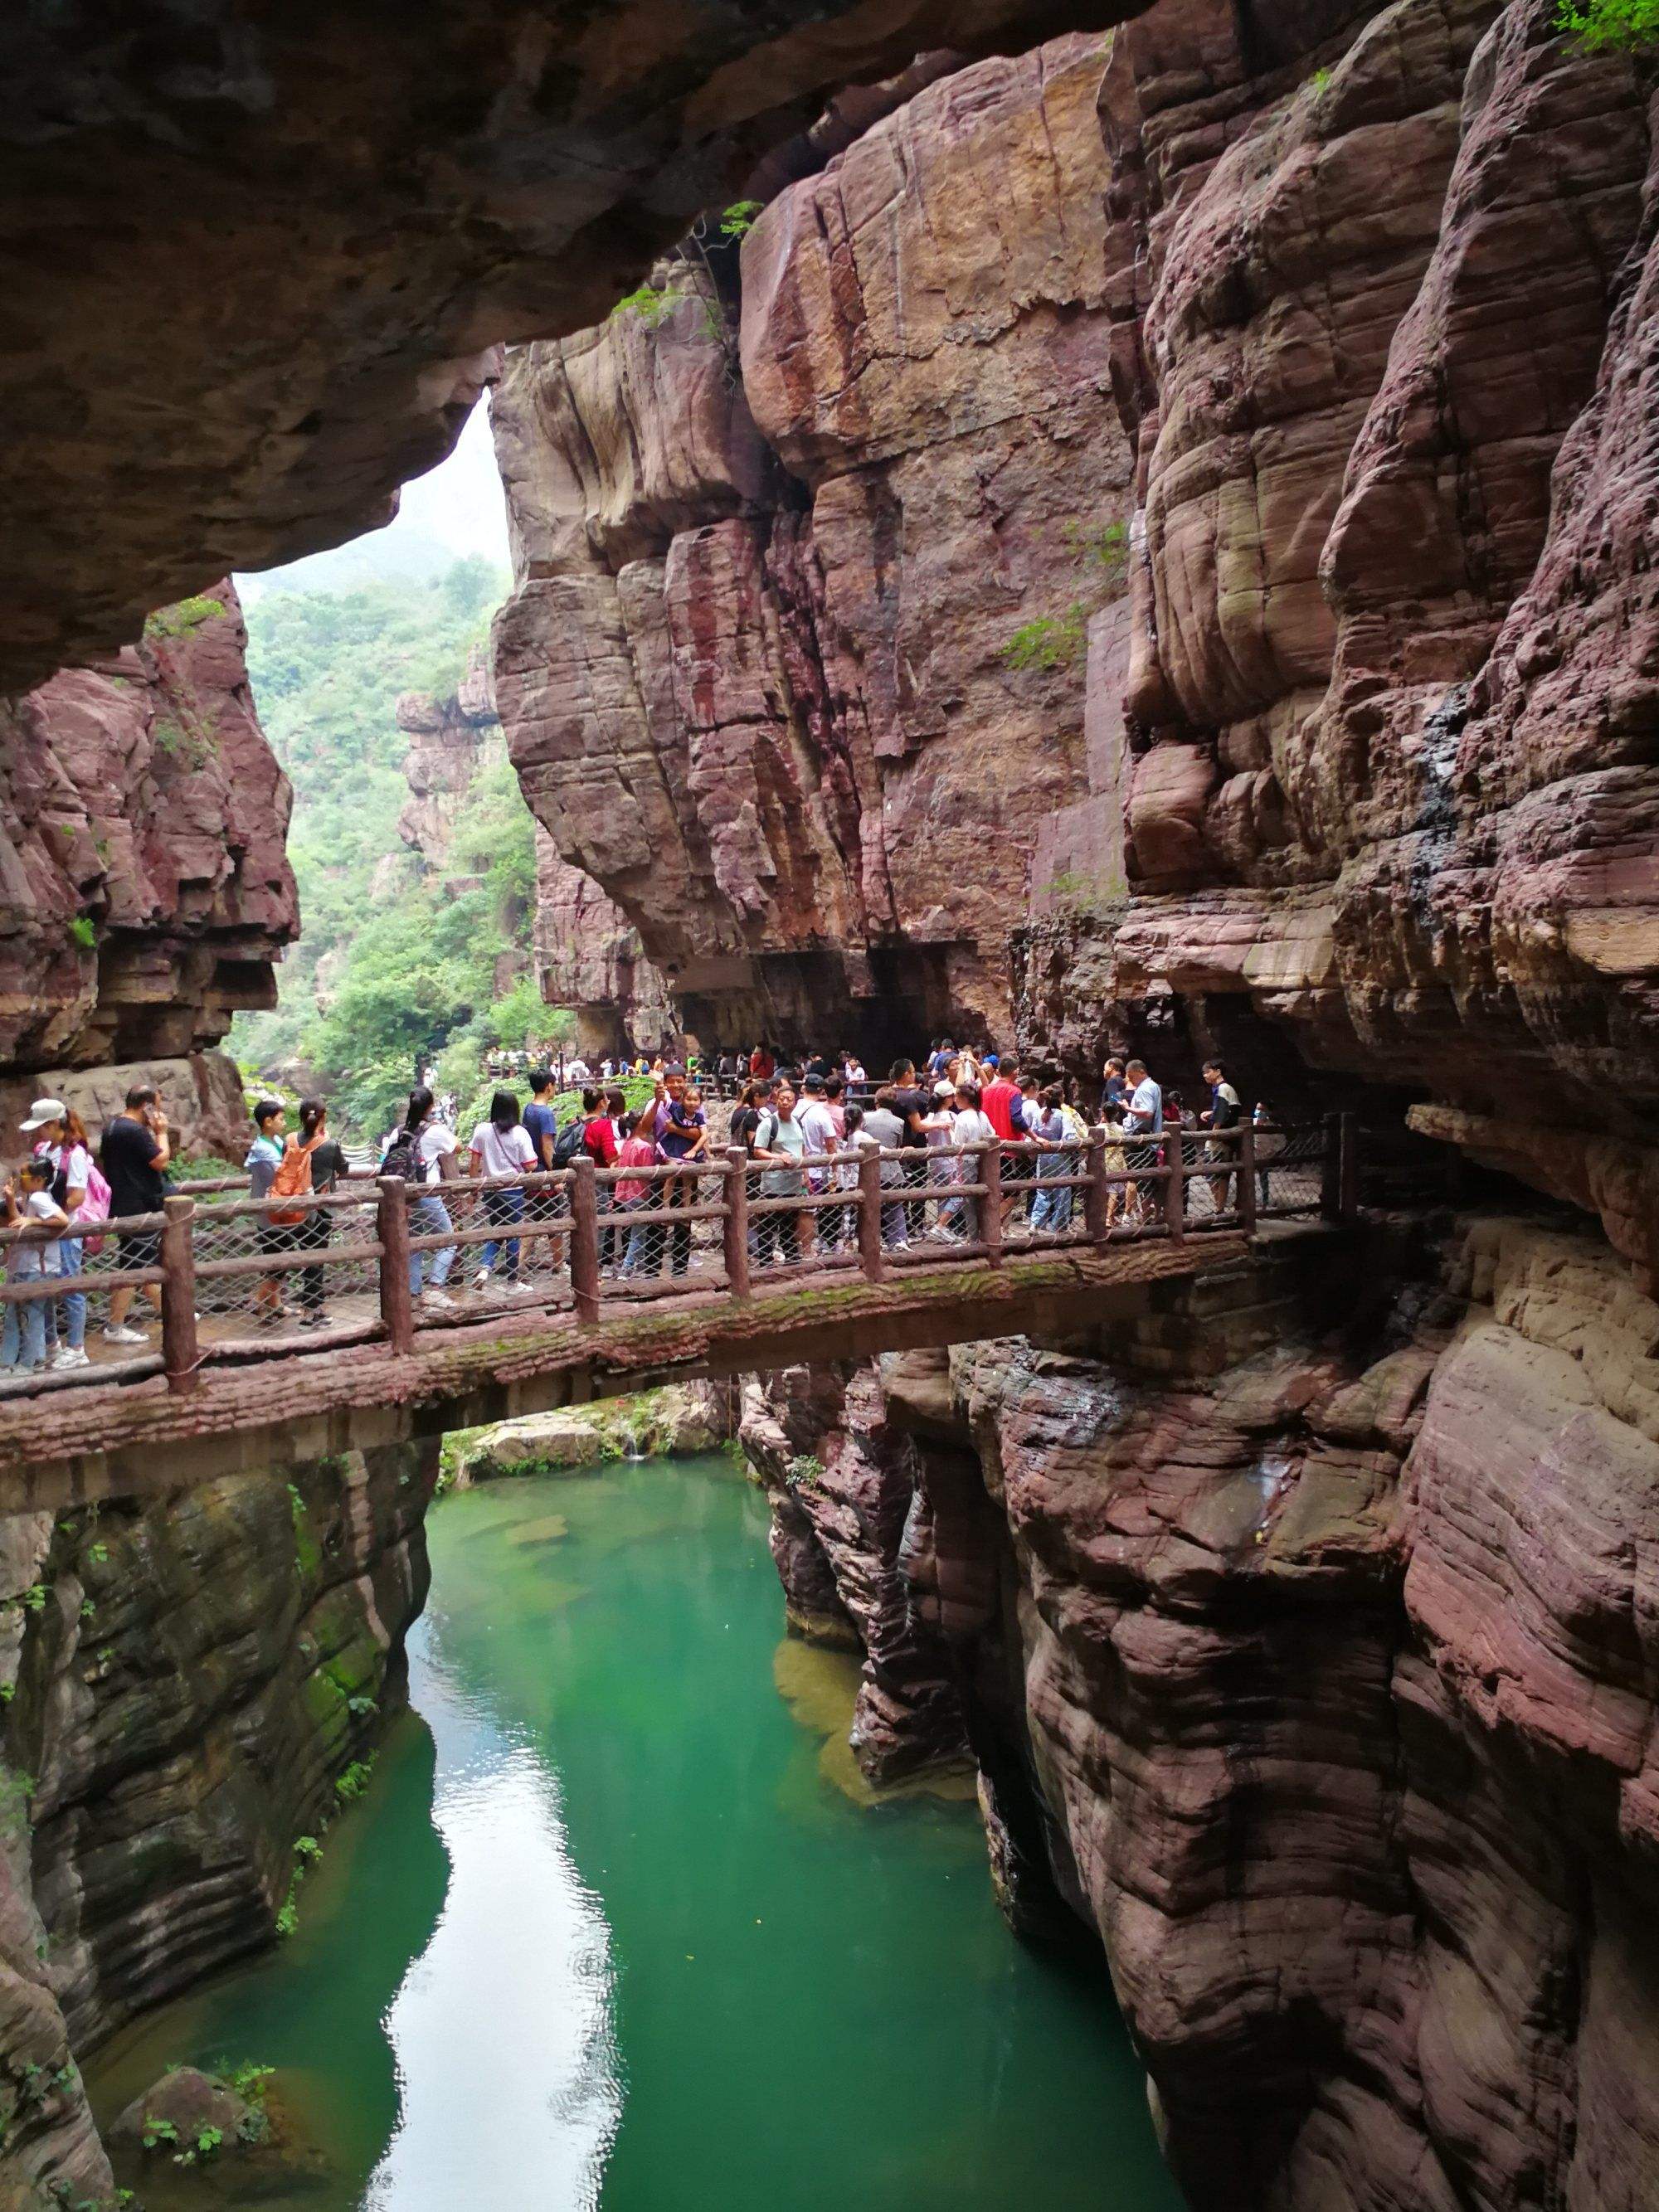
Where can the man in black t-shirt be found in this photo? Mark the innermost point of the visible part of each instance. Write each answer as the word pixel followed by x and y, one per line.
pixel 910 1102
pixel 133 1154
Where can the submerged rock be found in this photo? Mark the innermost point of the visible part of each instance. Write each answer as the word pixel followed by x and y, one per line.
pixel 190 2111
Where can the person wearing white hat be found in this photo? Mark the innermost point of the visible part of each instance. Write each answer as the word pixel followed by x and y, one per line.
pixel 61 1139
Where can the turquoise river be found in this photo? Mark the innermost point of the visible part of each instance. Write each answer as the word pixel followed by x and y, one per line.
pixel 614 1927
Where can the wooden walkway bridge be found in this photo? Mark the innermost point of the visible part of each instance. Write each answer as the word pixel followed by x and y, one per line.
pixel 285 1342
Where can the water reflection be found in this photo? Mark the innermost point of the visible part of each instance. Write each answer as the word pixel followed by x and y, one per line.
pixel 502 2074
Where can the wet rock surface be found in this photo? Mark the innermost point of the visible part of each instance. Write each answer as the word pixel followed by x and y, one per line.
pixel 842 1485
pixel 184 1684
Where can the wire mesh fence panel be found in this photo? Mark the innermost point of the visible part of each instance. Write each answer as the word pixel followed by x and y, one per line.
pixel 85 1302
pixel 265 1272
pixel 662 1227
pixel 482 1247
pixel 1290 1168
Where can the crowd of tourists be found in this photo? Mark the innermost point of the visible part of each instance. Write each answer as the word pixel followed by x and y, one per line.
pixel 805 1126
pixel 56 1202
pixel 805 1129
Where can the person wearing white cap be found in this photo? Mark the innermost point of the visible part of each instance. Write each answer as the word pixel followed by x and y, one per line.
pixel 61 1139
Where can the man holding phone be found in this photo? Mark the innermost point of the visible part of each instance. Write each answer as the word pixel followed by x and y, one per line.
pixel 133 1156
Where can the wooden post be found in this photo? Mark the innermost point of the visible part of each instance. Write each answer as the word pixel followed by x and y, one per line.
pixel 870 1259
pixel 1096 1195
pixel 585 1238
pixel 736 1221
pixel 180 1360
pixel 1175 1189
pixel 392 1228
pixel 1330 1191
pixel 1348 1167
pixel 1246 1152
pixel 990 1217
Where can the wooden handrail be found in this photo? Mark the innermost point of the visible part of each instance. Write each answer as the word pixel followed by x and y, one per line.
pixel 1231 1160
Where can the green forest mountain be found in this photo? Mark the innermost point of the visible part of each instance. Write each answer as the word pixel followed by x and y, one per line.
pixel 407 966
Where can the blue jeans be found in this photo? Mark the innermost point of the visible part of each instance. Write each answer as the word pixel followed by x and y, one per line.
pixel 1052 1208
pixel 24 1334
pixel 74 1302
pixel 645 1240
pixel 429 1216
pixel 501 1206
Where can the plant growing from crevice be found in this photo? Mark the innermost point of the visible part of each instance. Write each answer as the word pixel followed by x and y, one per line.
pixel 1051 641
pixel 182 616
pixel 83 931
pixel 803 1469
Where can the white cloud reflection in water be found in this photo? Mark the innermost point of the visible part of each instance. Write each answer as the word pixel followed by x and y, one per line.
pixel 509 2083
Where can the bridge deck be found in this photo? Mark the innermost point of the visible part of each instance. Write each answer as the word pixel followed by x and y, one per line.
pixel 112 1439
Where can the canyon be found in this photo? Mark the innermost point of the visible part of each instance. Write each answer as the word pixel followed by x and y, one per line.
pixel 1130 537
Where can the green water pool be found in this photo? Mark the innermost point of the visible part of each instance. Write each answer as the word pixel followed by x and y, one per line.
pixel 611 1929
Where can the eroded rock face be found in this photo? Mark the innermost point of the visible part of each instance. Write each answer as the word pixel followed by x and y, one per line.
pixel 589 959
pixel 755 672
pixel 184 1683
pixel 1306 1636
pixel 446 737
pixel 1383 339
pixel 144 886
pixel 843 1486
pixel 402 201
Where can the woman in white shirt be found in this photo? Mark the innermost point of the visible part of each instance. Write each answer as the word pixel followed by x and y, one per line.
pixel 431 1149
pixel 502 1146
pixel 972 1125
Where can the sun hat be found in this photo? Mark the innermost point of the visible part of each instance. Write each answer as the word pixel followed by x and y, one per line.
pixel 945 1090
pixel 42 1111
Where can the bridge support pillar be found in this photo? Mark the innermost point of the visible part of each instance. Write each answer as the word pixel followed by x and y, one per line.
pixel 1096 1198
pixel 180 1360
pixel 392 1231
pixel 736 1221
pixel 990 1219
pixel 869 1257
pixel 1175 1189
pixel 584 1239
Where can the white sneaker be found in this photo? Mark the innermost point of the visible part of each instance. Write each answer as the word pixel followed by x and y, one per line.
pixel 71 1355
pixel 481 1280
pixel 122 1334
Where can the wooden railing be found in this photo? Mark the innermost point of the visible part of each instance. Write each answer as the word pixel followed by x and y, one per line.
pixel 362 1259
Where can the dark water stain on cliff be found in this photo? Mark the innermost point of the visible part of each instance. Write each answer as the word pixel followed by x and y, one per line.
pixel 626 1944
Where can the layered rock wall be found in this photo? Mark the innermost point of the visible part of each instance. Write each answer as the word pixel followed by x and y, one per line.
pixel 754 673
pixel 145 887
pixel 1380 300
pixel 1302 1633
pixel 183 1684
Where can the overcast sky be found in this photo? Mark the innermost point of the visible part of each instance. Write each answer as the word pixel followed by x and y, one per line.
pixel 454 509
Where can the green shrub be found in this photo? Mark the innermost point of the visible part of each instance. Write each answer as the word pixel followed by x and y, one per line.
pixel 1048 642
pixel 739 219
pixel 83 931
pixel 1616 25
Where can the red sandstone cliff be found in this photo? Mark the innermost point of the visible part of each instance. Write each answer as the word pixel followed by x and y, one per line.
pixel 1303 1636
pixel 1360 775
pixel 145 887
pixel 754 671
